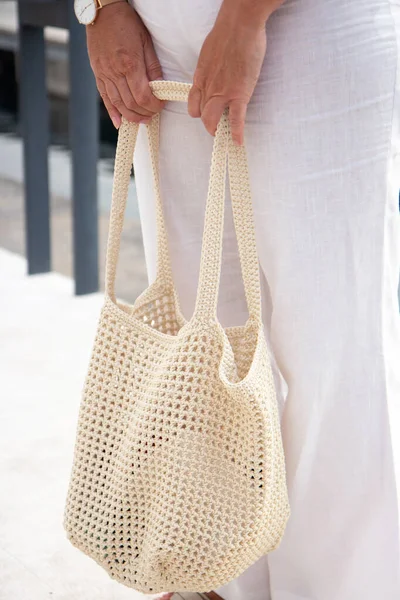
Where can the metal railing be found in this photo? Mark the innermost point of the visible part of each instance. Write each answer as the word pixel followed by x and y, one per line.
pixel 34 15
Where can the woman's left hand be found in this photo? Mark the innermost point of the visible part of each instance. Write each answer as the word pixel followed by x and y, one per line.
pixel 228 69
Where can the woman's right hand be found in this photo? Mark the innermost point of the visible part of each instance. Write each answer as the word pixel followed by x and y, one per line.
pixel 123 60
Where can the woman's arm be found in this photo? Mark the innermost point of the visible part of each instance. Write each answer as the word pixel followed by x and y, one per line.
pixel 230 63
pixel 256 12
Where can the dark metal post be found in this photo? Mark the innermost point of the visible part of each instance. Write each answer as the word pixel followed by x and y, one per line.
pixel 35 128
pixel 84 133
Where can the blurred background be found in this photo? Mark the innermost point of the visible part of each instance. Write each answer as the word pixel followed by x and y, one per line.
pixel 56 165
pixel 50 106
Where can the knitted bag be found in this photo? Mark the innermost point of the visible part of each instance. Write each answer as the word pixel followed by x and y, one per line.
pixel 178 480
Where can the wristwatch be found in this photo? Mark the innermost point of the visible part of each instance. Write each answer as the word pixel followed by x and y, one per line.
pixel 86 10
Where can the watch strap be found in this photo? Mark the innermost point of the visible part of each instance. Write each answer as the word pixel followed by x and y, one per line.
pixel 102 3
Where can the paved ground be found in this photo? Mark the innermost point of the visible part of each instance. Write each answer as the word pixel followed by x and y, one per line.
pixel 46 335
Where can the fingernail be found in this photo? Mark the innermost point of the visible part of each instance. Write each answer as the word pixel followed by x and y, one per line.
pixel 116 122
pixel 145 121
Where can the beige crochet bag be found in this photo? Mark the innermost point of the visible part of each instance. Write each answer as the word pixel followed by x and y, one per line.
pixel 178 481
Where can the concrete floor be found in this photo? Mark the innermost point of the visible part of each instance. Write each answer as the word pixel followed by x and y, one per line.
pixel 45 339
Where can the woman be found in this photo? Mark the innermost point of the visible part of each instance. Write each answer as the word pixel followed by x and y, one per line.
pixel 321 106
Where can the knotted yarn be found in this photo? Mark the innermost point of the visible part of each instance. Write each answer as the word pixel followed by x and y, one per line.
pixel 178 480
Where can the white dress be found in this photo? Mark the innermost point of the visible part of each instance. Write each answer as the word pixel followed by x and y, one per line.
pixel 323 139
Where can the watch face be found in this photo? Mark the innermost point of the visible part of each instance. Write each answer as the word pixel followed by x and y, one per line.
pixel 85 11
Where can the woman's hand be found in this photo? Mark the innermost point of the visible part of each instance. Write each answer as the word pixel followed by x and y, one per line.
pixel 230 63
pixel 123 60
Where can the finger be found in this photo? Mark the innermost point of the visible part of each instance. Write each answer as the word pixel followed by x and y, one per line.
pixel 237 118
pixel 194 102
pixel 138 83
pixel 115 116
pixel 118 103
pixel 129 100
pixel 152 64
pixel 212 113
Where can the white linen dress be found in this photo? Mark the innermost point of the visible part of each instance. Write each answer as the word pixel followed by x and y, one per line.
pixel 323 140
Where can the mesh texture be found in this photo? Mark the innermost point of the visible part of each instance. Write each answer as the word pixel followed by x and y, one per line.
pixel 178 480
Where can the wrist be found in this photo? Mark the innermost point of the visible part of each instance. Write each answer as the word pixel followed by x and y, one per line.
pixel 108 11
pixel 252 14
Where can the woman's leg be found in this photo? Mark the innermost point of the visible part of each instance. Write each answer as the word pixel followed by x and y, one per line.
pixel 322 137
pixel 326 184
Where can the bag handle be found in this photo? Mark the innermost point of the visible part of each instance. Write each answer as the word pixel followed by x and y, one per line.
pixel 211 252
pixel 127 136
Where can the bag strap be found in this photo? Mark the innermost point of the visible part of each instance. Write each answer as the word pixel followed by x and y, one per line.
pixel 127 136
pixel 211 253
pixel 242 208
